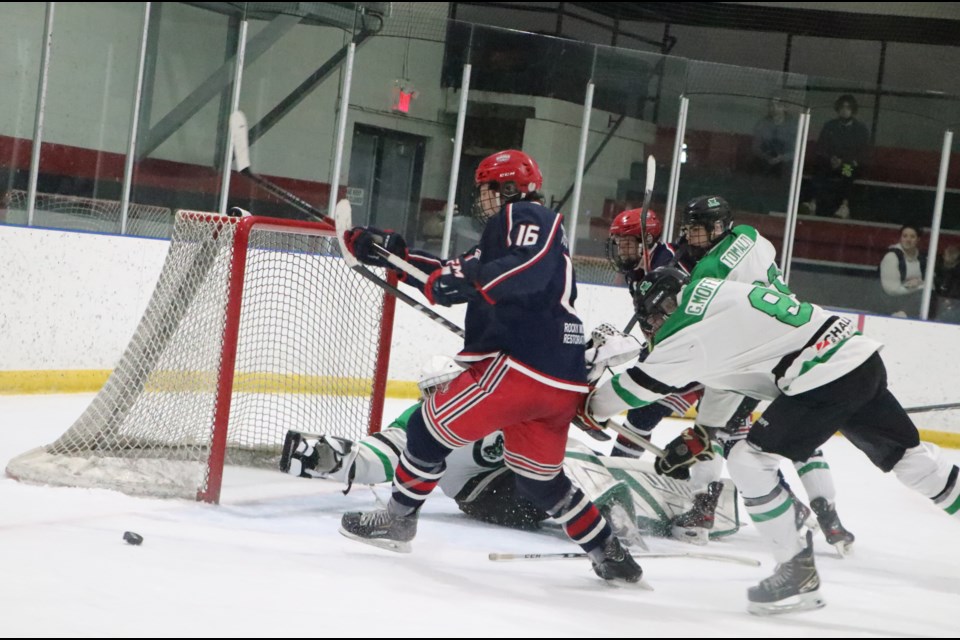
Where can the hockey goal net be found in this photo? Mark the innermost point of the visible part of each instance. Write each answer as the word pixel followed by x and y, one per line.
pixel 256 326
pixel 86 214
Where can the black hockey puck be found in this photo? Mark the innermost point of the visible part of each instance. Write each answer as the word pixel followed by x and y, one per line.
pixel 132 538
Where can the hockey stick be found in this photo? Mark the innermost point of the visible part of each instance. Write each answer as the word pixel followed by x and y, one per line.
pixel 342 215
pixel 645 252
pixel 717 557
pixel 647 196
pixel 241 154
pixel 933 407
pixel 635 439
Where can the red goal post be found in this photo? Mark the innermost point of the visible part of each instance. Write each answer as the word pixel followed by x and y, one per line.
pixel 256 326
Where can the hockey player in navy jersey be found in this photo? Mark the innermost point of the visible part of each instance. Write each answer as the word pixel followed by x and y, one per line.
pixel 526 375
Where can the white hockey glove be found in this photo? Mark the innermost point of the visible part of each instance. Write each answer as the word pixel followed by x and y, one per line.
pixel 609 347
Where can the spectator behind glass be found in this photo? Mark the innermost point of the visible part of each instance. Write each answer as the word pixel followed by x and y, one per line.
pixel 840 156
pixel 901 272
pixel 947 285
pixel 773 140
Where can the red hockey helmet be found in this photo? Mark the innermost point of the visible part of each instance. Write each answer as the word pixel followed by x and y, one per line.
pixel 510 166
pixel 627 223
pixel 623 245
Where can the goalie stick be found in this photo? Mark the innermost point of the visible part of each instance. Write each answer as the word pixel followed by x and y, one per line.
pixel 716 557
pixel 241 154
pixel 645 252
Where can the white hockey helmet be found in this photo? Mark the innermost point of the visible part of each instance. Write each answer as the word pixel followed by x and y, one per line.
pixel 437 371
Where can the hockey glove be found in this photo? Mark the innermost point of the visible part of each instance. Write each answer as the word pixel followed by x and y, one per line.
pixel 684 451
pixel 450 285
pixel 608 347
pixel 360 241
pixel 584 420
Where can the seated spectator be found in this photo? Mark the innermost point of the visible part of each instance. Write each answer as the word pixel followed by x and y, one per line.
pixel 947 285
pixel 841 152
pixel 773 140
pixel 901 272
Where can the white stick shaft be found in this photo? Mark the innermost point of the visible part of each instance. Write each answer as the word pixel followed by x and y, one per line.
pixel 635 439
pixel 716 557
pixel 402 264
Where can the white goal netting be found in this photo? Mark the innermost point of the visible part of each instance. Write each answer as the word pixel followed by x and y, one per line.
pixel 255 327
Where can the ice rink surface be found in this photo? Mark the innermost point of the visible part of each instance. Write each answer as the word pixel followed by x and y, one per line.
pixel 268 561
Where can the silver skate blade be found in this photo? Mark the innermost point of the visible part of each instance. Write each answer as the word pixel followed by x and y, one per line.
pixel 641 585
pixel 843 548
pixel 382 543
pixel 793 604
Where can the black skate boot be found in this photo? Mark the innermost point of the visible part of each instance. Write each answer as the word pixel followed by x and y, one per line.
pixel 381 529
pixel 613 562
pixel 833 529
pixel 794 586
pixel 694 526
pixel 802 516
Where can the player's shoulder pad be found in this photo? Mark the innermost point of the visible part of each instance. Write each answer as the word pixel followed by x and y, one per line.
pixel 745 230
pixel 527 210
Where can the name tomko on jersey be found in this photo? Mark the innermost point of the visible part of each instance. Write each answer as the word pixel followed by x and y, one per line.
pixel 742 256
pixel 738 337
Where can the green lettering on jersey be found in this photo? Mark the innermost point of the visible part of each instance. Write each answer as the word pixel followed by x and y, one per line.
pixel 784 308
pixel 774 277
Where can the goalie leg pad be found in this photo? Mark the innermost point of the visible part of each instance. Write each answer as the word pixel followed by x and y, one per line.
pixel 707 471
pixel 611 496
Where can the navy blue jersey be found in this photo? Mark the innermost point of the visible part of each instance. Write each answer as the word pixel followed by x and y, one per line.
pixel 663 254
pixel 523 271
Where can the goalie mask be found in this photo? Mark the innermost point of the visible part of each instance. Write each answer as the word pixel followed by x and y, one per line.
pixel 655 298
pixel 705 221
pixel 436 373
pixel 505 176
pixel 626 230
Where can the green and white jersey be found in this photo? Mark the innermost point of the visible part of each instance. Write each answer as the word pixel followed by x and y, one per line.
pixel 743 338
pixel 375 457
pixel 742 256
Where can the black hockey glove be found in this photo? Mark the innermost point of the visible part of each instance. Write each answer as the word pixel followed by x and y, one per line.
pixel 683 452
pixel 451 284
pixel 360 241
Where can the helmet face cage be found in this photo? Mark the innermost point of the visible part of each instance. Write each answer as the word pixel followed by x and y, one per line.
pixel 503 177
pixel 436 375
pixel 623 244
pixel 486 202
pixel 706 212
pixel 655 298
pixel 624 252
